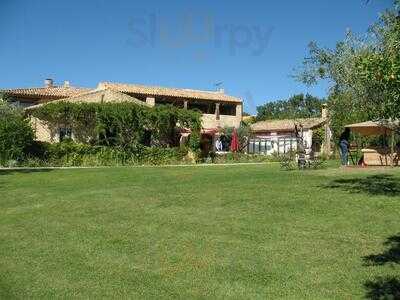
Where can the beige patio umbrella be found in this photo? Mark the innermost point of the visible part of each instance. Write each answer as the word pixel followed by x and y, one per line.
pixel 372 128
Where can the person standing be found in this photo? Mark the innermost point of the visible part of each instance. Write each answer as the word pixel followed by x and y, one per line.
pixel 344 146
pixel 218 145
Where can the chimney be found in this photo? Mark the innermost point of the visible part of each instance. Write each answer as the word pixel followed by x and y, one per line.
pixel 48 82
pixel 66 84
pixel 324 112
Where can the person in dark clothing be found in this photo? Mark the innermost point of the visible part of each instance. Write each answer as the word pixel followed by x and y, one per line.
pixel 344 146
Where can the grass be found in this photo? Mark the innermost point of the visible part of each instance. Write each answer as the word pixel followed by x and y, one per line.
pixel 248 231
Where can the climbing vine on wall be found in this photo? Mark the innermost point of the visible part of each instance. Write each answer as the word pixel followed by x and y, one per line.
pixel 118 124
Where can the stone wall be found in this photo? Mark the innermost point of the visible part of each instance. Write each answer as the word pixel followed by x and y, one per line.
pixel 42 131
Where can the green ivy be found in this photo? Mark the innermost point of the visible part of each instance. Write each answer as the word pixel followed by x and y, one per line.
pixel 319 134
pixel 118 124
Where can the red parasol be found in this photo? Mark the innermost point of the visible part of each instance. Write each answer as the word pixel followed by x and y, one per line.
pixel 235 141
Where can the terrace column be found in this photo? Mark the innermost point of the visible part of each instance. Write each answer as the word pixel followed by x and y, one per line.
pixel 185 104
pixel 151 101
pixel 217 114
pixel 239 111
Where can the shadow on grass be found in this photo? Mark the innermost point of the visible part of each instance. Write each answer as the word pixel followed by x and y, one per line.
pixel 384 287
pixel 390 256
pixel 382 184
pixel 23 171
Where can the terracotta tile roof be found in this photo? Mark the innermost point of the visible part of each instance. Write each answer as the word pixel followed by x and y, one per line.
pixel 286 125
pixel 105 95
pixel 56 92
pixel 171 92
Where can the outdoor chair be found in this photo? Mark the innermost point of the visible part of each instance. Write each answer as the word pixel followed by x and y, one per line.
pixel 304 161
pixel 314 161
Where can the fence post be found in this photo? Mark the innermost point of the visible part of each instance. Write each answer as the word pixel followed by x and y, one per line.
pixel 284 145
pixel 270 144
pixel 279 146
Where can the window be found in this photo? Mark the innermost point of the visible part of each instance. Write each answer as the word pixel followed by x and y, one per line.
pixel 65 133
pixel 227 109
pixel 260 146
pixel 138 96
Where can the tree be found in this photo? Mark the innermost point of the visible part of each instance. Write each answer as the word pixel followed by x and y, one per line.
pixel 297 106
pixel 364 71
pixel 16 134
pixel 343 110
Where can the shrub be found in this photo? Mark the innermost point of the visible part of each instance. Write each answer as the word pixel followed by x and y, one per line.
pixel 69 153
pixel 38 150
pixel 16 134
pixel 115 134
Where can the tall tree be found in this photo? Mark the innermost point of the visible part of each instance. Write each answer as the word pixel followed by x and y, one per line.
pixel 364 70
pixel 297 106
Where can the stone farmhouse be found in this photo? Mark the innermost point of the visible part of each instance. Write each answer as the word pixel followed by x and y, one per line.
pixel 218 109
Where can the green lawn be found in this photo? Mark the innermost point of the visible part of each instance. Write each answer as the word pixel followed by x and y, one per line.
pixel 199 232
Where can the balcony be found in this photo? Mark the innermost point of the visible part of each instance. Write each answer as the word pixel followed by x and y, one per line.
pixel 210 121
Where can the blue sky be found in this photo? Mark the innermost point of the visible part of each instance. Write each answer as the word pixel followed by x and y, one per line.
pixel 250 46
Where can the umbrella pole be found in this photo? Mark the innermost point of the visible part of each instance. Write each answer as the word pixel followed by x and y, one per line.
pixel 392 149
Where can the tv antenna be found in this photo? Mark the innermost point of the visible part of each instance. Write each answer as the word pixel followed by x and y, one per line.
pixel 218 85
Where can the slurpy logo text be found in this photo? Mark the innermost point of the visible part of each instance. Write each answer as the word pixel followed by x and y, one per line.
pixel 198 33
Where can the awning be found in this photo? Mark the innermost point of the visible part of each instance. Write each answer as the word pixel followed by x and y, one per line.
pixel 373 127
